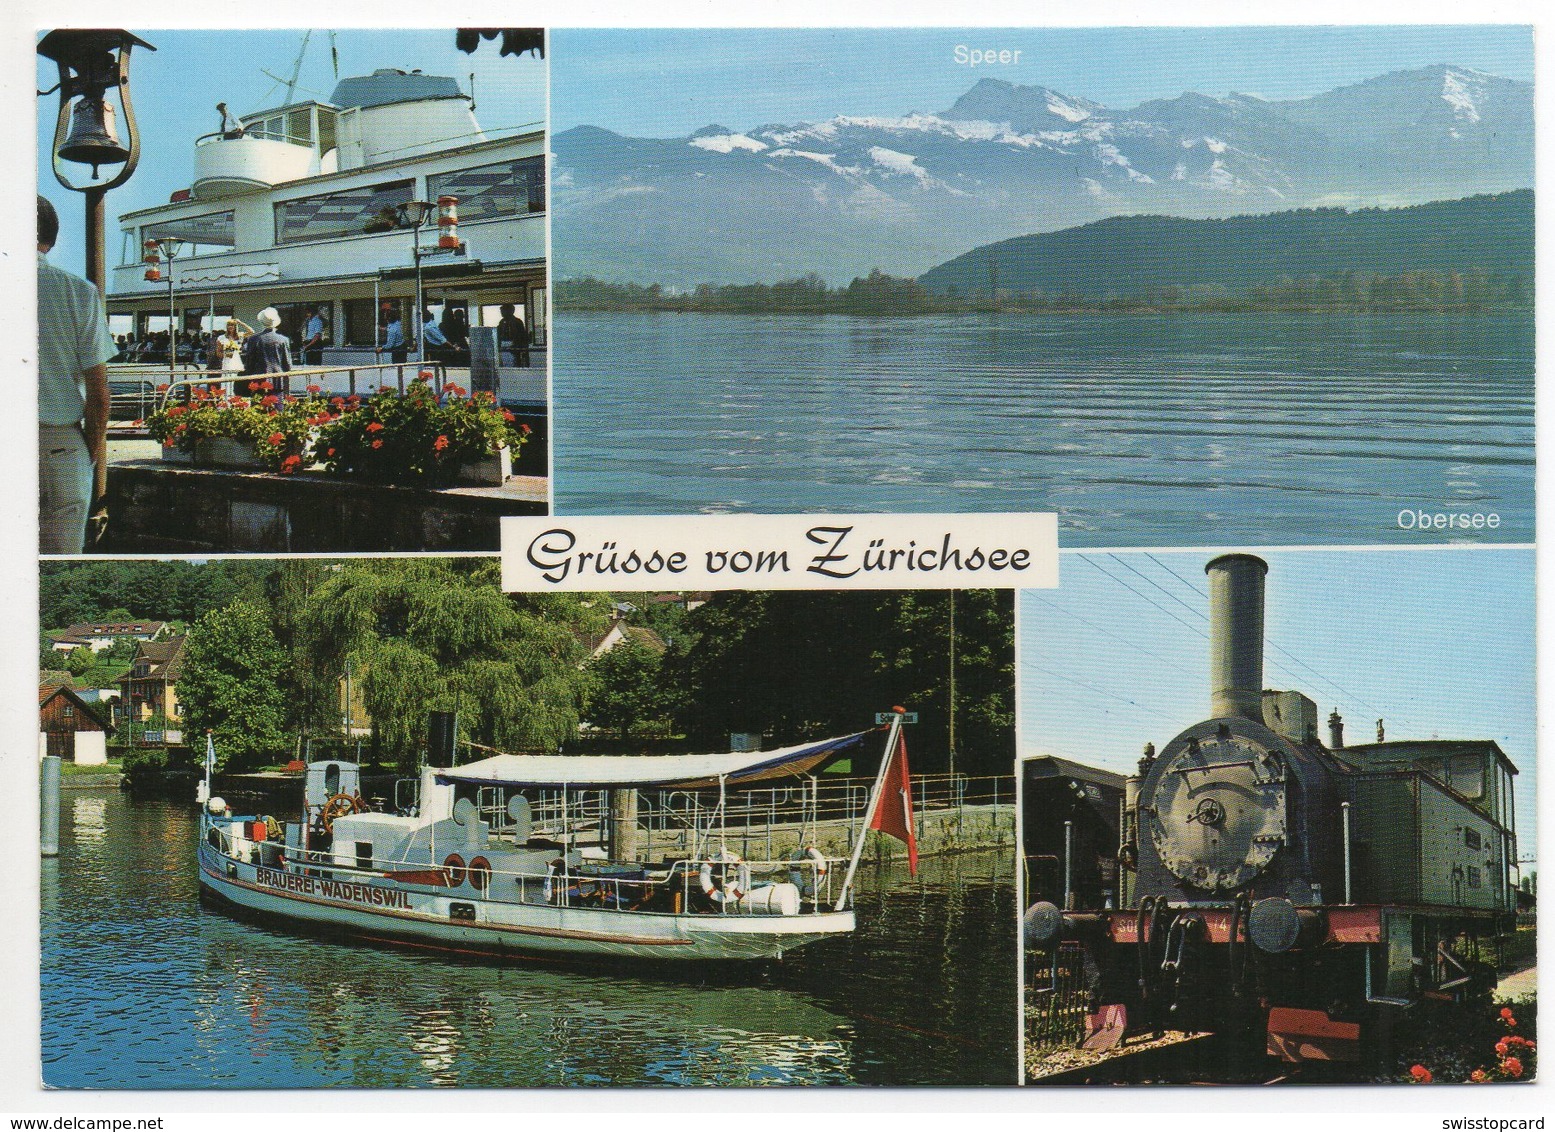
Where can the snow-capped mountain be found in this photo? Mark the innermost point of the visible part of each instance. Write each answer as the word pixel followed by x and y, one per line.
pixel 903 193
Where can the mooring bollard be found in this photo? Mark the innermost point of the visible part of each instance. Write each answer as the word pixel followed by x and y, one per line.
pixel 48 833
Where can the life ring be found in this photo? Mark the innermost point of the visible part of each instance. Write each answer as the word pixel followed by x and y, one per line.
pixel 725 880
pixel 807 867
pixel 338 806
pixel 453 869
pixel 480 874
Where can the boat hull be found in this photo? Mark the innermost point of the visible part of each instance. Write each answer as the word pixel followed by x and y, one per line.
pixel 374 911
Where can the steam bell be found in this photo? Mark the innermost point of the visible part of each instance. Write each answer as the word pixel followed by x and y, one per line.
pixel 93 140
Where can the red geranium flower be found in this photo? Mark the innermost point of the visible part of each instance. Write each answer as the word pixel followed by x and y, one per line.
pixel 331 452
pixel 315 389
pixel 525 429
pixel 375 426
pixel 290 465
pixel 377 444
pixel 440 443
pixel 271 401
pixel 507 415
pixel 277 438
pixel 1420 1074
pixel 1512 1067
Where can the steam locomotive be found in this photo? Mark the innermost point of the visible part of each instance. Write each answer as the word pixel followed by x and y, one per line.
pixel 1269 881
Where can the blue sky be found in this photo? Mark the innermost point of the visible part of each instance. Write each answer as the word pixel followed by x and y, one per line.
pixel 175 90
pixel 1437 643
pixel 667 83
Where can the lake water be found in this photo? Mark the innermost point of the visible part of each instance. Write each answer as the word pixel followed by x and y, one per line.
pixel 1137 430
pixel 143 988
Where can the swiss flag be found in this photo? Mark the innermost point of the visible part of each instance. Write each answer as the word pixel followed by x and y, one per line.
pixel 893 812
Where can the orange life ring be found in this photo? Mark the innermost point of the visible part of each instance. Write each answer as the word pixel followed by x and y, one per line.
pixel 480 874
pixel 453 869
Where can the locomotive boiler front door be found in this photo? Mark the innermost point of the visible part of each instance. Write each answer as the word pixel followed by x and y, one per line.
pixel 1219 811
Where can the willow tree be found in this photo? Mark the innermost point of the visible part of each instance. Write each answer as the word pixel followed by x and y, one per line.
pixel 231 686
pixel 423 635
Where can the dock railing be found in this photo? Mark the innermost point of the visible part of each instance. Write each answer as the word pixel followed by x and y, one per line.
pixel 137 391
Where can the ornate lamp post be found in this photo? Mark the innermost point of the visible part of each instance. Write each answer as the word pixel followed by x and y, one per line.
pixel 91 62
pixel 413 214
pixel 171 248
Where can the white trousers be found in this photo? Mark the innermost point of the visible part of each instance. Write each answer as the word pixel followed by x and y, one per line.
pixel 64 489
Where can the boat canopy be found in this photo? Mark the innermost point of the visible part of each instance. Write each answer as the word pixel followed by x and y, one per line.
pixel 647 770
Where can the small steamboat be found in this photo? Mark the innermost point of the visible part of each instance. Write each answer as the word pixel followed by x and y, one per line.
pixel 531 855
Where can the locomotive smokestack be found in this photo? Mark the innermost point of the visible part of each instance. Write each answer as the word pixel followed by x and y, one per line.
pixel 1335 731
pixel 1236 636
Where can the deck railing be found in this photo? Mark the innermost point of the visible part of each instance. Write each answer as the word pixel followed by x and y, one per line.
pixel 347 380
pixel 714 885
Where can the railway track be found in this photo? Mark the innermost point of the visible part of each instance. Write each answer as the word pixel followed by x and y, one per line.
pixel 1191 1059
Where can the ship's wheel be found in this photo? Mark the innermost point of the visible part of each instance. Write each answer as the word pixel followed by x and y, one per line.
pixel 338 806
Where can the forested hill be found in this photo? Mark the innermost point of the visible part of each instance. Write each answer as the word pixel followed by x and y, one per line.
pixel 1474 240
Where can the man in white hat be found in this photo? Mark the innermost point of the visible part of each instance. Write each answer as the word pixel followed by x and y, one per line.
pixel 269 351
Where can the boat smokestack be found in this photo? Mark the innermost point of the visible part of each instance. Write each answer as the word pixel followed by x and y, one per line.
pixel 1335 731
pixel 1236 636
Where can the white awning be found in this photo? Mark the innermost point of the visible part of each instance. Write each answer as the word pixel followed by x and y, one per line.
pixel 648 770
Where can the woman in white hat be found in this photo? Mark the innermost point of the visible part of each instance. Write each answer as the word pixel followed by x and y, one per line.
pixel 227 348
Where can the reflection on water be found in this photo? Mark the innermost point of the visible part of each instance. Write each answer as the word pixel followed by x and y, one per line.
pixel 1137 430
pixel 143 988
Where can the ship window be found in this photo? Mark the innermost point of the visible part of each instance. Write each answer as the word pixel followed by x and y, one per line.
pixel 298 129
pixel 210 234
pixel 509 188
pixel 361 326
pixel 540 321
pixel 1467 775
pixel 1474 877
pixel 351 212
pixel 326 130
pixel 1471 838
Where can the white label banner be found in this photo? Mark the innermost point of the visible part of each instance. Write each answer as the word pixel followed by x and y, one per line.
pixel 780 552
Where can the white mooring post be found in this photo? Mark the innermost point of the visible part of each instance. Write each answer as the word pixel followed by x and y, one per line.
pixel 48 831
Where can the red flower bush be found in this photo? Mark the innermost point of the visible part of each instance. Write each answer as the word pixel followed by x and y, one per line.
pixel 417 438
pixel 278 428
pixel 1515 1054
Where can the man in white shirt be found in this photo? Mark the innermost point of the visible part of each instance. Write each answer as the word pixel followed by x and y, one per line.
pixel 433 342
pixel 313 339
pixel 73 351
